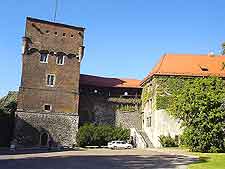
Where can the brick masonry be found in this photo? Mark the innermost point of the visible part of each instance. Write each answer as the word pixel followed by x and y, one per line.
pixel 61 122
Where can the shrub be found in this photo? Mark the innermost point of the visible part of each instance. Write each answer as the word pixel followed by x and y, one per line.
pixel 85 135
pixel 100 135
pixel 168 141
pixel 120 133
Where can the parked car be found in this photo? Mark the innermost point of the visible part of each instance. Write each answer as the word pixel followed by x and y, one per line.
pixel 119 145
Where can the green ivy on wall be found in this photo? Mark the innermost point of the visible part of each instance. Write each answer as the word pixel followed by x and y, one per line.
pixel 164 87
pixel 124 100
pixel 146 94
pixel 125 107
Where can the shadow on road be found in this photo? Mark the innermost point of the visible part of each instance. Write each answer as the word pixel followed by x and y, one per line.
pixel 36 151
pixel 99 162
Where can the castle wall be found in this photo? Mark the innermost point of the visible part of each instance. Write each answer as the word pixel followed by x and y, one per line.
pixel 60 128
pixel 99 110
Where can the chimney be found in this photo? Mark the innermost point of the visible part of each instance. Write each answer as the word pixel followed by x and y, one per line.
pixel 211 54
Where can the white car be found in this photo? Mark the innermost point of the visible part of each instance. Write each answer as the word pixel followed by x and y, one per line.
pixel 119 145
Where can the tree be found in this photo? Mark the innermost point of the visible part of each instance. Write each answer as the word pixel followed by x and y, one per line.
pixel 7 116
pixel 223 48
pixel 199 104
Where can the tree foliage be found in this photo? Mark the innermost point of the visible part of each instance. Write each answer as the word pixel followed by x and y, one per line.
pixel 223 48
pixel 200 106
pixel 7 114
pixel 92 135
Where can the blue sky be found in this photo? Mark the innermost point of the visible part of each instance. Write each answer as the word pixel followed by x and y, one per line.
pixel 124 38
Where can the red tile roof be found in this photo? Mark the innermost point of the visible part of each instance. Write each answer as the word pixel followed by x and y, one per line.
pixel 108 82
pixel 189 65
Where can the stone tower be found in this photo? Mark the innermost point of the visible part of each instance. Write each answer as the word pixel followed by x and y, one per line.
pixel 49 91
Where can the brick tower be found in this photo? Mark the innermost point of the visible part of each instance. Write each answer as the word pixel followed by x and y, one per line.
pixel 49 91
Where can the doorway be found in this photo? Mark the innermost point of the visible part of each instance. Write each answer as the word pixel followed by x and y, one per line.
pixel 44 139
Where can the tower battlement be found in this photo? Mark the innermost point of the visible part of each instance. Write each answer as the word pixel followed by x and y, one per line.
pixel 54 37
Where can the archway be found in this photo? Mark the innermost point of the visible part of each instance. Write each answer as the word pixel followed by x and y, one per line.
pixel 44 139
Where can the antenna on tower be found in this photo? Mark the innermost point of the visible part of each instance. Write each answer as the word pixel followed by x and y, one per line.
pixel 56 8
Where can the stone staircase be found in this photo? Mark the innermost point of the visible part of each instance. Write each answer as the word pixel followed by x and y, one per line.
pixel 146 139
pixel 141 138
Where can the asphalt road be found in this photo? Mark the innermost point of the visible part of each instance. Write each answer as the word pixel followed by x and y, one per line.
pixel 94 159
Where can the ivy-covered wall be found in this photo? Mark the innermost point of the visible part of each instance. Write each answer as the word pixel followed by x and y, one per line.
pixel 156 97
pixel 147 93
pixel 160 90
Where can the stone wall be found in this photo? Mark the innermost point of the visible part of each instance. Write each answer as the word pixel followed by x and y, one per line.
pixel 60 128
pixel 128 119
pixel 100 110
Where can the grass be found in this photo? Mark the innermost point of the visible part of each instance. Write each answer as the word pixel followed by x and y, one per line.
pixel 206 160
pixel 209 161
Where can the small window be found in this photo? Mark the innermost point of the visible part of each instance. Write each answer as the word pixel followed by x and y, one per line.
pixel 71 36
pixel 149 121
pixel 50 80
pixel 47 31
pixel 56 33
pixel 44 58
pixel 125 93
pixel 64 34
pixel 60 60
pixel 177 138
pixel 47 107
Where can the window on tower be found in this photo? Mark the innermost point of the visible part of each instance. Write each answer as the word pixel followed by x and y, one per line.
pixel 50 80
pixel 60 60
pixel 47 107
pixel 44 58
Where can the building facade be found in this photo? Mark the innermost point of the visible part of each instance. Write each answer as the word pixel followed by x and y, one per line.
pixel 113 101
pixel 168 75
pixel 54 99
pixel 48 96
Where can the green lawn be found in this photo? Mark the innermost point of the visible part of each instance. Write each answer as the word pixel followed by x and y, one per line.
pixel 209 161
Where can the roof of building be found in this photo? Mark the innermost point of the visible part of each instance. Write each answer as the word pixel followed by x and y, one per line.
pixel 189 65
pixel 108 82
pixel 55 23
